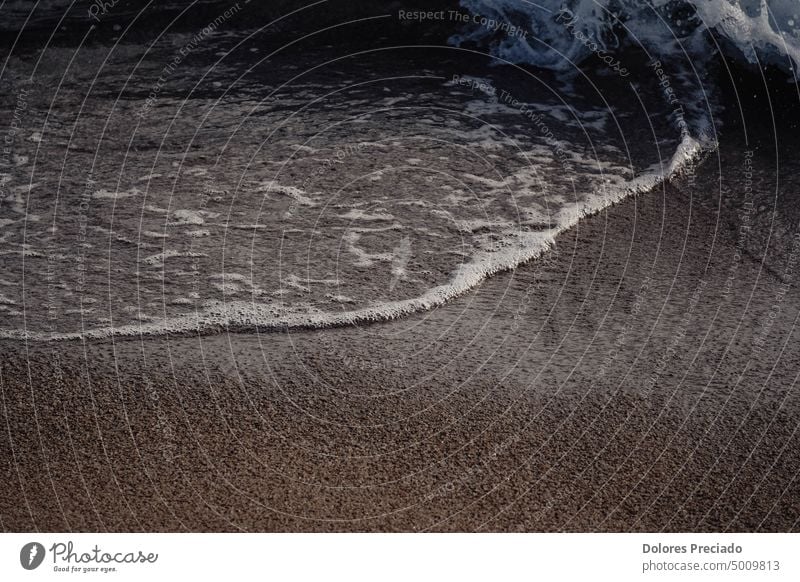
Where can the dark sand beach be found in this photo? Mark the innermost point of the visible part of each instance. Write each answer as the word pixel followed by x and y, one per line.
pixel 641 377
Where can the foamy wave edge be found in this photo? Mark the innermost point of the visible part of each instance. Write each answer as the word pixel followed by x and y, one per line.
pixel 244 317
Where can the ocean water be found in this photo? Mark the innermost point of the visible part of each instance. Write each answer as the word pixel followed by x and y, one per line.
pixel 208 181
pixel 564 33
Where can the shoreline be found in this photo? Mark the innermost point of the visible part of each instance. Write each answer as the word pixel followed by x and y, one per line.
pixel 623 382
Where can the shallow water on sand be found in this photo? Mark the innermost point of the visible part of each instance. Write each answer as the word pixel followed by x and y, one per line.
pixel 241 189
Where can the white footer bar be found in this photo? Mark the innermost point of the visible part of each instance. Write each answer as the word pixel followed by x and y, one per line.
pixel 387 557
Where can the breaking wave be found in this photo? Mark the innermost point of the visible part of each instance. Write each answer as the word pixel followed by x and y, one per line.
pixel 566 32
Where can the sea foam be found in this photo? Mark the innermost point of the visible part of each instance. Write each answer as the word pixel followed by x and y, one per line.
pixel 565 32
pixel 475 180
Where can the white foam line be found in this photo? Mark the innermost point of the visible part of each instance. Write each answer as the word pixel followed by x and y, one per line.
pixel 243 316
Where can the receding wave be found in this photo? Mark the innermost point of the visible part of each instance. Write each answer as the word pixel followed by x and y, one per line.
pixel 331 196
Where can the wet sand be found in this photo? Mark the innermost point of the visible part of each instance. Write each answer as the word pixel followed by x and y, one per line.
pixel 639 378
